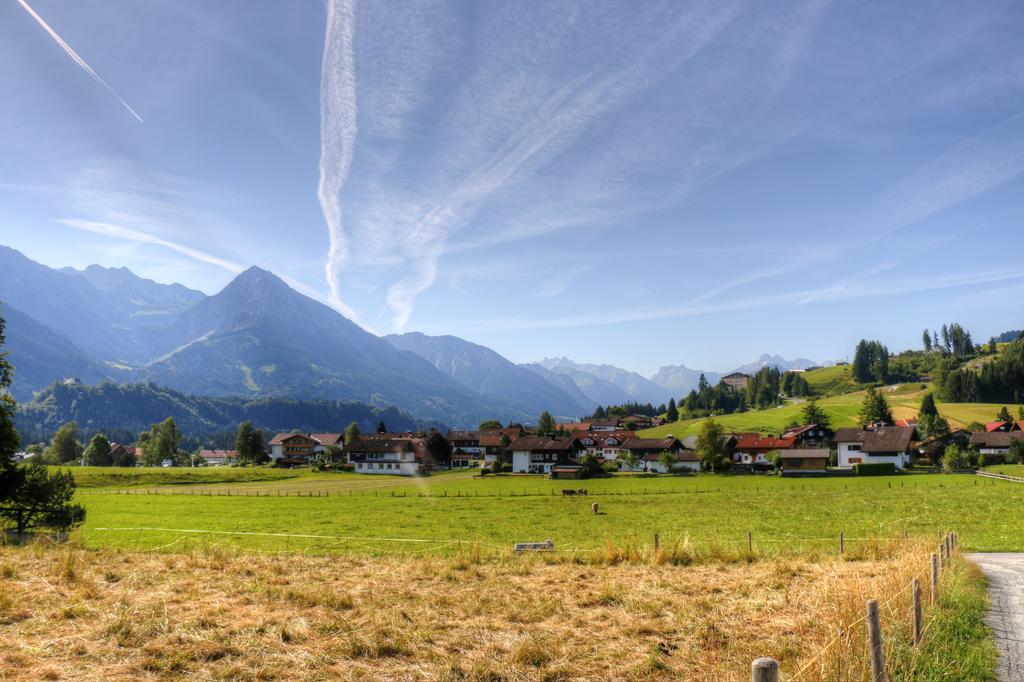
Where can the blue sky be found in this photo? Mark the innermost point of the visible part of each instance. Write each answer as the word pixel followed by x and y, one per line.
pixel 691 183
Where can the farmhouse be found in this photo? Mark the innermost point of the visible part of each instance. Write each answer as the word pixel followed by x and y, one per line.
pixel 604 445
pixel 214 458
pixel 803 461
pixel 881 444
pixel 538 454
pixel 301 448
pixel 604 425
pixel 402 456
pixel 753 448
pixel 809 435
pixel 737 380
pixel 121 453
pixel 995 442
pixel 649 451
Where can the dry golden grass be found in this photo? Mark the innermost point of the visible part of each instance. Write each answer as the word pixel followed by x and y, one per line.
pixel 67 613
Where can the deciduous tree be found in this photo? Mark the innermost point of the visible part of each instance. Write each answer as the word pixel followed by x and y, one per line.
pixel 98 452
pixel 65 447
pixel 711 446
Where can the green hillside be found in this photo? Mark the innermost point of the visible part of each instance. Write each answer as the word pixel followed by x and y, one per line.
pixel 905 400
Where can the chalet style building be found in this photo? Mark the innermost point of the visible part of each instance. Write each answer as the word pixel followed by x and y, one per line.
pixel 737 380
pixel 649 452
pixel 301 448
pixel 479 448
pixel 213 458
pixel 604 445
pixel 753 448
pixel 388 454
pixel 538 454
pixel 809 435
pixel 875 445
pixel 995 442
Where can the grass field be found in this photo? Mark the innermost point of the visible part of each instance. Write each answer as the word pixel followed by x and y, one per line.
pixel 66 613
pixel 96 477
pixel 383 515
pixel 842 409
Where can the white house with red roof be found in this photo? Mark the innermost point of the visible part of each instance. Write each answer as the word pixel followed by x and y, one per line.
pixel 301 448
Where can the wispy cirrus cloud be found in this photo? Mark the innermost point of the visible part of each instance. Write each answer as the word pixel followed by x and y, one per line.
pixel 338 130
pixel 78 59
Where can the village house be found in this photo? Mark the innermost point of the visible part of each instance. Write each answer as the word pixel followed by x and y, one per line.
pixel 803 461
pixel 301 448
pixel 878 445
pixel 737 380
pixel 604 425
pixel 399 456
pixel 809 435
pixel 538 454
pixel 649 453
pixel 120 453
pixel 753 449
pixel 995 442
pixel 213 458
pixel 603 445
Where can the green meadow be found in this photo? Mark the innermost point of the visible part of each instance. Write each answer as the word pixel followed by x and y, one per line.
pixel 382 515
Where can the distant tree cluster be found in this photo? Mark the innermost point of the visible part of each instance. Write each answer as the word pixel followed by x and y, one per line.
pixel 1001 380
pixel 870 362
pixel 626 409
pixel 251 447
pixel 794 385
pixel 707 399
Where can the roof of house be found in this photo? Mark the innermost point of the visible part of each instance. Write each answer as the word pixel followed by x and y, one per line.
pixel 995 426
pixel 805 453
pixel 882 439
pixel 679 456
pixel 218 454
pixel 602 439
pixel 463 435
pixel 797 430
pixel 321 438
pixel 995 439
pixel 544 444
pixel 604 422
pixel 383 445
pixel 756 442
pixel 655 444
pixel 736 375
pixel 906 422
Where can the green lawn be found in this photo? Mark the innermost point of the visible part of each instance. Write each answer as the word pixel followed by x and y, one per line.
pixel 441 513
pixel 842 409
pixel 97 477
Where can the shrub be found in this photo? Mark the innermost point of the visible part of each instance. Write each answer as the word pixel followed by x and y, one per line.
pixel 955 459
pixel 611 467
pixel 874 468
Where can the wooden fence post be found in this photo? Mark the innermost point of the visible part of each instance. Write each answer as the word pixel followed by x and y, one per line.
pixel 842 542
pixel 656 542
pixel 764 670
pixel 875 642
pixel 917 611
pixel 942 555
pixel 935 578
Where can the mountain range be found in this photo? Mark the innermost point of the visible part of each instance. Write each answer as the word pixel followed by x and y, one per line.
pixel 259 338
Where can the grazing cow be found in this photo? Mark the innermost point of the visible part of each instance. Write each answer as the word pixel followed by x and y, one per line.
pixel 568 492
pixel 593 507
pixel 581 491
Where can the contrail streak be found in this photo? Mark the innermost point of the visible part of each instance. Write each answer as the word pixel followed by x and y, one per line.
pixel 338 128
pixel 78 60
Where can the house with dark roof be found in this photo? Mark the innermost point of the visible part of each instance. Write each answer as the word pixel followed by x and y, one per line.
pixel 398 456
pixel 301 448
pixel 538 454
pixel 737 380
pixel 649 452
pixel 876 445
pixel 809 435
pixel 995 442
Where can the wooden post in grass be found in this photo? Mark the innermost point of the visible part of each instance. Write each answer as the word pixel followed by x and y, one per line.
pixel 917 611
pixel 764 670
pixel 935 578
pixel 842 542
pixel 942 555
pixel 875 642
pixel 655 543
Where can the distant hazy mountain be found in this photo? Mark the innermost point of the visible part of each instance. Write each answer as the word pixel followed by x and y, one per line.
pixel 680 379
pixel 775 361
pixel 607 384
pixel 259 337
pixel 133 408
pixel 145 295
pixel 566 383
pixel 484 371
pixel 42 356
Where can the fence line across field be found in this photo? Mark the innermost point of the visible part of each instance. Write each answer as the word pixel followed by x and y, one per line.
pixel 390 491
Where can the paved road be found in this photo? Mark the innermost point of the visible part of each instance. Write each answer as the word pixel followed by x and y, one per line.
pixel 1006 616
